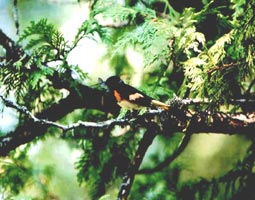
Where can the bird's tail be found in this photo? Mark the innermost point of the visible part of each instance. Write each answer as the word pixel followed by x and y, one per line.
pixel 159 104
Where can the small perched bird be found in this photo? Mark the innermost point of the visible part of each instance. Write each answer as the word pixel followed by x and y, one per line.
pixel 129 97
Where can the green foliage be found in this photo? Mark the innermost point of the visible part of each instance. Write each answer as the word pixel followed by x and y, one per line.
pixel 47 53
pixel 210 69
pixel 245 40
pixel 88 29
pixel 104 159
pixel 162 183
pixel 114 11
pixel 149 37
pixel 216 188
pixel 46 39
pixel 148 187
pixel 238 7
pixel 17 171
pixel 148 34
pixel 199 72
pixel 180 58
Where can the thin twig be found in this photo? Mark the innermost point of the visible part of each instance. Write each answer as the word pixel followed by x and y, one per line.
pixel 182 145
pixel 220 68
pixel 16 16
pixel 250 87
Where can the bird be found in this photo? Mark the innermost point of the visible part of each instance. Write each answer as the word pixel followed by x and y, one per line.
pixel 131 98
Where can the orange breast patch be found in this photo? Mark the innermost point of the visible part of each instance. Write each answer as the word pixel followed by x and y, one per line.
pixel 117 95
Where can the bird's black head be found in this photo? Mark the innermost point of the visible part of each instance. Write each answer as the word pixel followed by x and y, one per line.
pixel 113 82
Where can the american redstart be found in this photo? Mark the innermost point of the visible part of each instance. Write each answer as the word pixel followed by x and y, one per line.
pixel 131 98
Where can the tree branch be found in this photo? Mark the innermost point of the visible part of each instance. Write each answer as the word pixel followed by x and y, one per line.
pixel 64 128
pixel 13 51
pixel 128 179
pixel 184 142
pixel 222 67
pixel 15 15
pixel 250 87
pixel 37 126
pixel 80 96
pixel 177 119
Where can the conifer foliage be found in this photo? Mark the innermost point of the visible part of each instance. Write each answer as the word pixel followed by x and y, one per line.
pixel 200 59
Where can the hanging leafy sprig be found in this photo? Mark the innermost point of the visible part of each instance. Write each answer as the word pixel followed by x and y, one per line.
pixel 44 39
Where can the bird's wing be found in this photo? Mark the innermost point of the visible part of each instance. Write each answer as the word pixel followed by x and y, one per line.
pixel 135 96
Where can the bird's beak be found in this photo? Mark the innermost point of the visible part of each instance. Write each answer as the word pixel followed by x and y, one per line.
pixel 102 83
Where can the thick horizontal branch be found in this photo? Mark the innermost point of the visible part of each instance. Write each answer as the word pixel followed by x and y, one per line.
pixel 177 119
pixel 64 128
pixel 38 125
pixel 204 122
